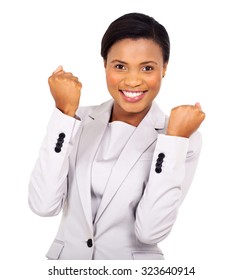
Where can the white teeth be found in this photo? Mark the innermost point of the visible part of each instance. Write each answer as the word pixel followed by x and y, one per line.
pixel 132 94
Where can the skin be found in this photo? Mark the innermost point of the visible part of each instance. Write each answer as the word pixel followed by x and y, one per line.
pixel 133 67
pixel 66 91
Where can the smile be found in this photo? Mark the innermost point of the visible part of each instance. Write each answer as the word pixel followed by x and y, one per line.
pixel 133 96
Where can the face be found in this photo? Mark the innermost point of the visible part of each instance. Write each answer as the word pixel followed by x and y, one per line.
pixel 134 71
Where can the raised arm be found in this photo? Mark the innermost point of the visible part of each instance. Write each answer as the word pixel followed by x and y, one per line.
pixel 173 167
pixel 48 182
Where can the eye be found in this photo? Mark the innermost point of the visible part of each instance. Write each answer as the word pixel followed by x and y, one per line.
pixel 147 68
pixel 120 66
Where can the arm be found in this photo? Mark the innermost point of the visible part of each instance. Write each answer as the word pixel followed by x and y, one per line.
pixel 173 167
pixel 48 183
pixel 165 191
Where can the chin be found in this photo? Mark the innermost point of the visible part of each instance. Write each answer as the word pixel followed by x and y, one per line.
pixel 135 108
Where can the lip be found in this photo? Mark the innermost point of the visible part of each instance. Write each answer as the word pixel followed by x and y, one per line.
pixel 140 95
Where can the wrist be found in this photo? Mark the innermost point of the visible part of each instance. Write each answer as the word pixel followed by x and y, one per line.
pixel 177 134
pixel 69 111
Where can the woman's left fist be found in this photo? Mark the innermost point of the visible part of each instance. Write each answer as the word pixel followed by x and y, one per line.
pixel 184 120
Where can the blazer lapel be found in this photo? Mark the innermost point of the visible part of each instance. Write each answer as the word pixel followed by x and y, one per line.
pixel 91 136
pixel 144 136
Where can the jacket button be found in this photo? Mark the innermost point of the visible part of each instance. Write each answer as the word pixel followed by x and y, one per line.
pixel 57 149
pixel 62 135
pixel 58 145
pixel 158 164
pixel 161 156
pixel 159 161
pixel 89 243
pixel 60 140
pixel 158 170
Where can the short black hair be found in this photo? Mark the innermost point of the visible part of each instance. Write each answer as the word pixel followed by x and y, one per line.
pixel 136 26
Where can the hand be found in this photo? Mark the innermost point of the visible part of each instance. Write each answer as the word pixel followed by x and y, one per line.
pixel 66 91
pixel 184 120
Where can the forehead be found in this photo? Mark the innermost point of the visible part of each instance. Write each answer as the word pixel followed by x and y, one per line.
pixel 135 49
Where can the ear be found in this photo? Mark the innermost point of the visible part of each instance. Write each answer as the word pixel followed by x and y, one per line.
pixel 164 69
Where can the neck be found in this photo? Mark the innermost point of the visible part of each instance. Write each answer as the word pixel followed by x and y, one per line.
pixel 132 118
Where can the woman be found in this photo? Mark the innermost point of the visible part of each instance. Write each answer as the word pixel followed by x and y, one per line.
pixel 119 171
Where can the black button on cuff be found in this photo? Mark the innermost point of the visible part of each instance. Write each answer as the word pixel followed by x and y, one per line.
pixel 158 170
pixel 62 135
pixel 57 150
pixel 89 243
pixel 60 142
pixel 58 145
pixel 161 156
pixel 159 160
pixel 158 164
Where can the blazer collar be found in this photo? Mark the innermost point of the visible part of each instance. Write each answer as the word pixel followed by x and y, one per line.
pixel 147 131
pixel 103 108
pixel 92 133
pixel 156 117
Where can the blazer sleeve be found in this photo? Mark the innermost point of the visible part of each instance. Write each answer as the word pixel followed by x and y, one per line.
pixel 48 181
pixel 173 166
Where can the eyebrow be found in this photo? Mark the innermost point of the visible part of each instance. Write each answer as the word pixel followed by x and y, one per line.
pixel 148 62
pixel 118 61
pixel 142 63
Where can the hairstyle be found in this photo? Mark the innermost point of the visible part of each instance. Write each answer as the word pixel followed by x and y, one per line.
pixel 136 26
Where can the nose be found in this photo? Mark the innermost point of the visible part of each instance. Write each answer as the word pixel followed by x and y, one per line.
pixel 133 79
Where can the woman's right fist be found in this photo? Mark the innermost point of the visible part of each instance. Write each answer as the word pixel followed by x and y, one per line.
pixel 66 91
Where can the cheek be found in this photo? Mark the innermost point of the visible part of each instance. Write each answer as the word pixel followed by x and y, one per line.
pixel 154 82
pixel 112 79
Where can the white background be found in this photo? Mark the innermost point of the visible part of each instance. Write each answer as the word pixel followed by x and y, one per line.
pixel 205 66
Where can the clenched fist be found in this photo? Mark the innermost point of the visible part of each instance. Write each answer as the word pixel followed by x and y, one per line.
pixel 184 120
pixel 66 91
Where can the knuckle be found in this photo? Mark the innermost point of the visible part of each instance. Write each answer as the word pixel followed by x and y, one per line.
pixel 50 79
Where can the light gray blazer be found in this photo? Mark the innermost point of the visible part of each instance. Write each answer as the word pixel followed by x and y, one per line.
pixel 142 196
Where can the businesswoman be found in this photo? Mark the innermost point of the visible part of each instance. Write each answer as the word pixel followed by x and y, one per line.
pixel 118 171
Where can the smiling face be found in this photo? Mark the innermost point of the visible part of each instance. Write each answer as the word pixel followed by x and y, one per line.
pixel 134 71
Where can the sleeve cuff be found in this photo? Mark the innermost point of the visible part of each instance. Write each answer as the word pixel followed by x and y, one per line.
pixel 174 146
